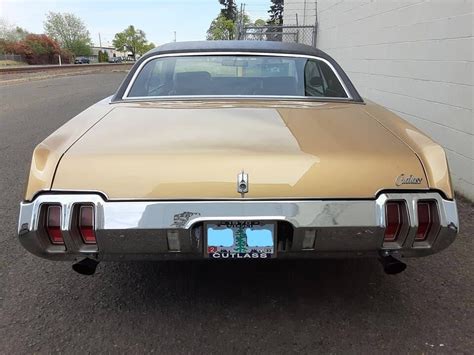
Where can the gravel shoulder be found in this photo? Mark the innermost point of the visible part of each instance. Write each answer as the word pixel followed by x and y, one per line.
pixel 9 78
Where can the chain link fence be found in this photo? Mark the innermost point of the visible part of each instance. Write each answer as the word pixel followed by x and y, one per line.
pixel 294 34
pixel 13 57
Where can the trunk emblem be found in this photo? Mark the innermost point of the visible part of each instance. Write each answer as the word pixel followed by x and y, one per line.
pixel 408 180
pixel 242 183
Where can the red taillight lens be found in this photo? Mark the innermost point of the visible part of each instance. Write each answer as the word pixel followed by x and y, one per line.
pixel 393 216
pixel 86 224
pixel 53 225
pixel 425 221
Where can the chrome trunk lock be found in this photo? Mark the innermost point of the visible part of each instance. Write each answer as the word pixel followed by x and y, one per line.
pixel 242 183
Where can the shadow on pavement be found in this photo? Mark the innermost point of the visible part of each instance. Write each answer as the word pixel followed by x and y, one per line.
pixel 250 286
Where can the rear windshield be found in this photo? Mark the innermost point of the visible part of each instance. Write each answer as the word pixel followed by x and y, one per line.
pixel 231 75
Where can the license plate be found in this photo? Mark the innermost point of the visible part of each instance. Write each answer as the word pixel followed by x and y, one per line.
pixel 240 240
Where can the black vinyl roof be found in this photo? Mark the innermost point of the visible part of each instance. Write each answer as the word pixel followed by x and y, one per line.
pixel 238 46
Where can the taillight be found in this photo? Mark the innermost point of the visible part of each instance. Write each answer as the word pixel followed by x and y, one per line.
pixel 427 216
pixel 53 225
pixel 86 224
pixel 394 220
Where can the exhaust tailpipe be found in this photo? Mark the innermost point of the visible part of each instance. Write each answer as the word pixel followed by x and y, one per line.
pixel 85 267
pixel 391 265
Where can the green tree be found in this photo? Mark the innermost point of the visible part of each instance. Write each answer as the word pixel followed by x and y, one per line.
pixel 276 19
pixel 103 57
pixel 230 9
pixel 276 12
pixel 70 31
pixel 133 40
pixel 221 29
pixel 147 47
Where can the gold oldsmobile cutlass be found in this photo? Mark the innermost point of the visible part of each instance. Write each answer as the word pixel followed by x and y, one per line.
pixel 237 150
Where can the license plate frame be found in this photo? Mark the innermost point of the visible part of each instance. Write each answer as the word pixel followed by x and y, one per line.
pixel 251 252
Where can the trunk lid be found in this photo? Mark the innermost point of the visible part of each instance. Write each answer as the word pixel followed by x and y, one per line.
pixel 196 152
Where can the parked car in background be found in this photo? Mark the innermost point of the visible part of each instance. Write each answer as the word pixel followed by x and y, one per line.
pixel 237 150
pixel 82 60
pixel 115 60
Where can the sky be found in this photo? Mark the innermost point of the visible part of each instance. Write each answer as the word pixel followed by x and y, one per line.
pixel 158 18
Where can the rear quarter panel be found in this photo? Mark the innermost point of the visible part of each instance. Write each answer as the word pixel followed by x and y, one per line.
pixel 430 153
pixel 48 153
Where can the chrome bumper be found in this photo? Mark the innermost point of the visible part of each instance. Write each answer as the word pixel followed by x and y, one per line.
pixel 138 230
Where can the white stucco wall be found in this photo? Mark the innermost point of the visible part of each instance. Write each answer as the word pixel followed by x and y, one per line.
pixel 415 57
pixel 299 12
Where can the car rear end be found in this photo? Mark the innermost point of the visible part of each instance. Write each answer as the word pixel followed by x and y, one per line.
pixel 258 166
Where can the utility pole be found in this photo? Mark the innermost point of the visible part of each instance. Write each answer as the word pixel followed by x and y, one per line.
pixel 100 50
pixel 174 36
pixel 298 30
pixel 304 13
pixel 239 26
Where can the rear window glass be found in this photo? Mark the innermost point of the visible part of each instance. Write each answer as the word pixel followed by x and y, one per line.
pixel 230 75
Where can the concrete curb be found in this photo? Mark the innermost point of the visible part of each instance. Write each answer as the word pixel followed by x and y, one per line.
pixel 39 68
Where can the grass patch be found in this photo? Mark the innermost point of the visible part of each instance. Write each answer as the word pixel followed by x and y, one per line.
pixel 11 63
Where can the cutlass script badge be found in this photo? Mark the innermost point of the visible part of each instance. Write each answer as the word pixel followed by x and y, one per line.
pixel 408 180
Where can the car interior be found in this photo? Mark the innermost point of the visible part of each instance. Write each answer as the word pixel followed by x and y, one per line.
pixel 314 80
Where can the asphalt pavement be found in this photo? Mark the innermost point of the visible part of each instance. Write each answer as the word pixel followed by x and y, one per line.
pixel 335 306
